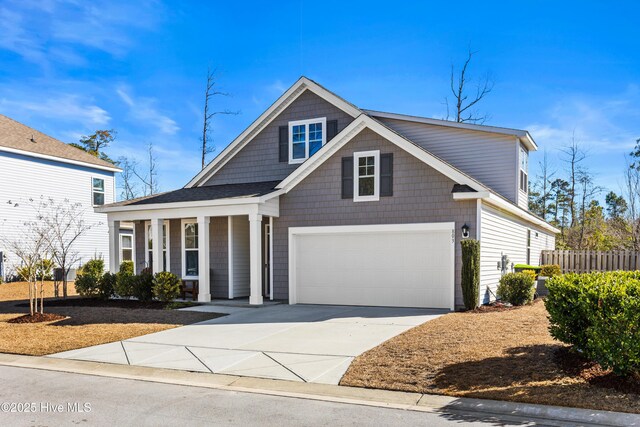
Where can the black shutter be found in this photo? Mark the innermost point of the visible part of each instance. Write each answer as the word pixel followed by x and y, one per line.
pixel 332 129
pixel 347 177
pixel 386 174
pixel 283 143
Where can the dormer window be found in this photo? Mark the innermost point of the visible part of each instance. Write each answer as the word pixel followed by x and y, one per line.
pixel 306 137
pixel 524 170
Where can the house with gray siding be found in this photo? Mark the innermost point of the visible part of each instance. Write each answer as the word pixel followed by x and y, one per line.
pixel 321 202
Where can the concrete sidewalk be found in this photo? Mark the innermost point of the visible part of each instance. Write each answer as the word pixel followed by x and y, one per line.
pixel 539 414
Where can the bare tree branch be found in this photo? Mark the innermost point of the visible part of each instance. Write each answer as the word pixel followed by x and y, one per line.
pixel 459 89
pixel 207 127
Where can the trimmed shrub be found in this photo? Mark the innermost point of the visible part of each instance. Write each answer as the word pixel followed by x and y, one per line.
pixel 126 267
pixel 87 282
pixel 93 267
pixel 599 314
pixel 166 286
pixel 531 273
pixel 470 273
pixel 516 288
pixel 550 270
pixel 519 267
pixel 124 281
pixel 142 286
pixel 107 285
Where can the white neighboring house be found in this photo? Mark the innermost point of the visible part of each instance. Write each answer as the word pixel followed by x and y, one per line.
pixel 35 165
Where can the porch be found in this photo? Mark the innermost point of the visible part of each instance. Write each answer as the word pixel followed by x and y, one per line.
pixel 219 237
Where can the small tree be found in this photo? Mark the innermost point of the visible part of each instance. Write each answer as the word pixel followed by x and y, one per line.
pixel 30 247
pixel 470 273
pixel 466 99
pixel 96 143
pixel 65 225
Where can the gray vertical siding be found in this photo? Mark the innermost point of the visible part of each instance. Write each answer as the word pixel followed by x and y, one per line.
pixel 488 157
pixel 259 160
pixel 219 257
pixel 420 194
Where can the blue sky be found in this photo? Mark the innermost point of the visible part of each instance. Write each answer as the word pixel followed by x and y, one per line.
pixel 560 68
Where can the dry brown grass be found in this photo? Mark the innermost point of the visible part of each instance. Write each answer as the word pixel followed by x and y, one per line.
pixel 20 290
pixel 83 327
pixel 506 355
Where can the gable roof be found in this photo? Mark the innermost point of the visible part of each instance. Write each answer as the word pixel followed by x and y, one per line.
pixel 18 138
pixel 303 84
pixel 465 187
pixel 362 122
pixel 523 135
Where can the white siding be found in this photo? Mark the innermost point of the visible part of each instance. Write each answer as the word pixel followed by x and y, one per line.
pixel 23 178
pixel 240 258
pixel 503 233
pixel 490 158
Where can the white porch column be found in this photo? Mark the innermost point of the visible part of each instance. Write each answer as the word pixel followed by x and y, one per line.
pixel 114 246
pixel 157 239
pixel 255 261
pixel 204 281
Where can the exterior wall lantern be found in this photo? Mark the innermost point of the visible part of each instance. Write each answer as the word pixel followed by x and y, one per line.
pixel 465 231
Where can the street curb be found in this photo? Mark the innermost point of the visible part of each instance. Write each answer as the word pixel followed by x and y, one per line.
pixel 553 415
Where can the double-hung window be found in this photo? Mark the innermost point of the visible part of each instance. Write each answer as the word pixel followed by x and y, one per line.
pixel 149 245
pixel 524 170
pixel 189 249
pixel 306 137
pixel 126 247
pixel 97 191
pixel 366 173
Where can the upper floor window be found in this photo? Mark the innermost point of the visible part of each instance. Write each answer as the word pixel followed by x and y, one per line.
pixel 366 171
pixel 97 191
pixel 524 170
pixel 306 137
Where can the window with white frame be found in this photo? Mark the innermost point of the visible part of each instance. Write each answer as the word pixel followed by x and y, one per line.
pixel 366 174
pixel 189 249
pixel 97 191
pixel 524 170
pixel 148 253
pixel 306 137
pixel 528 247
pixel 126 247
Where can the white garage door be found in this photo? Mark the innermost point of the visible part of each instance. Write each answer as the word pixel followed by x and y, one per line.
pixel 403 265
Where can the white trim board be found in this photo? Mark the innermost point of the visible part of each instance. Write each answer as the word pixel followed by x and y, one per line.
pixel 59 159
pixel 523 134
pixel 267 117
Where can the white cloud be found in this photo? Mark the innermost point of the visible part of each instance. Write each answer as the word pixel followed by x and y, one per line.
pixel 43 31
pixel 601 125
pixel 144 110
pixel 64 107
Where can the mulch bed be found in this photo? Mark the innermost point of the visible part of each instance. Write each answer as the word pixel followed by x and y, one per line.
pixel 113 303
pixel 502 354
pixel 37 318
pixel 496 306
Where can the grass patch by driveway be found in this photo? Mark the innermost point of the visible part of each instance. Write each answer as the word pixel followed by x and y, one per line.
pixel 503 355
pixel 83 326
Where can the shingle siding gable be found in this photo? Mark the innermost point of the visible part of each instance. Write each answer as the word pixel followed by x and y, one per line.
pixel 259 159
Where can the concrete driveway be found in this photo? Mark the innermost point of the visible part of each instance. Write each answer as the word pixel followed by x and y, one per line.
pixel 309 343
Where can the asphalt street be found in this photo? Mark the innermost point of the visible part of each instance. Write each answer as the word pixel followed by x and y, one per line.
pixel 31 397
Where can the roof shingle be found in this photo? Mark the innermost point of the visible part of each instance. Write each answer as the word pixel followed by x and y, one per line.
pixel 17 136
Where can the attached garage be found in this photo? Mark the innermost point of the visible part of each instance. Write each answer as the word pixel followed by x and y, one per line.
pixel 398 265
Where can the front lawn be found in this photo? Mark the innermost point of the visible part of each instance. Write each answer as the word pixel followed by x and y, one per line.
pixel 86 322
pixel 503 355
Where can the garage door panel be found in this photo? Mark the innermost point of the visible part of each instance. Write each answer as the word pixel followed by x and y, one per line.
pixel 360 266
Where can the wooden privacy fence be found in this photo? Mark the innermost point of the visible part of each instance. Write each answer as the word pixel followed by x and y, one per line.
pixel 586 261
